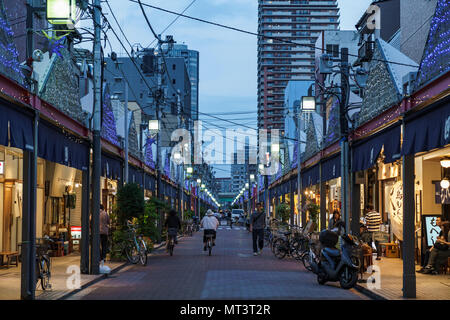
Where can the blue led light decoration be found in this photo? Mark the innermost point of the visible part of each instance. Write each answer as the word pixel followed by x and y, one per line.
pixel 108 122
pixel 167 166
pixel 9 63
pixel 334 125
pixel 436 56
pixel 149 152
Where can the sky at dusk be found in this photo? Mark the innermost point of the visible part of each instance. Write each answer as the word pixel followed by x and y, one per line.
pixel 228 59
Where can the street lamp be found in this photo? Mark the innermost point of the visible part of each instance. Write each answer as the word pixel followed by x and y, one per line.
pixel 61 11
pixel 153 126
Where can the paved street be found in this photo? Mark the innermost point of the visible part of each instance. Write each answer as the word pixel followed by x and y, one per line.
pixel 232 272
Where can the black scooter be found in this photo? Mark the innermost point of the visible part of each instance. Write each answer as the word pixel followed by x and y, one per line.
pixel 338 265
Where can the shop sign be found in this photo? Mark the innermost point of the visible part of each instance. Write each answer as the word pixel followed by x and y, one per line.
pixel 75 231
pixel 2 167
pixel 442 196
pixel 432 230
pixel 387 171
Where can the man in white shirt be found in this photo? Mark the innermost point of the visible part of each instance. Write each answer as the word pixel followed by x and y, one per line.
pixel 209 224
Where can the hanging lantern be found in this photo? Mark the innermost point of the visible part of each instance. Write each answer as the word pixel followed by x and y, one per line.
pixel 61 11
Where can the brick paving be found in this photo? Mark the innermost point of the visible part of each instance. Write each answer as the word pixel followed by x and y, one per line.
pixel 232 272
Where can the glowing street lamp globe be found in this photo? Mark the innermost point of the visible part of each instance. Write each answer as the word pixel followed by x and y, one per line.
pixel 61 11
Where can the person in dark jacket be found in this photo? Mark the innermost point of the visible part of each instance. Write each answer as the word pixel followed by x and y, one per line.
pixel 334 220
pixel 257 225
pixel 172 222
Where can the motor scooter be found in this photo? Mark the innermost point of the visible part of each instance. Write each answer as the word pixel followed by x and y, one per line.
pixel 338 265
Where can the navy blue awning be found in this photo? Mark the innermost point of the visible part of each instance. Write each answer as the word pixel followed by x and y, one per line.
pixel 428 129
pixel 331 168
pixel 135 175
pixel 310 176
pixel 56 146
pixel 112 167
pixel 149 182
pixel 366 152
pixel 20 124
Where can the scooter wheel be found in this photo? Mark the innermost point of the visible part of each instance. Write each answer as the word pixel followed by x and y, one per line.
pixel 321 279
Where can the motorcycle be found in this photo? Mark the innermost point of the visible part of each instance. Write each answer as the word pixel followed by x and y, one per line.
pixel 338 265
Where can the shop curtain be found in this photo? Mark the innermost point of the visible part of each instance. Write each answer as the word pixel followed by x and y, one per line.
pixel 135 175
pixel 112 167
pixel 310 176
pixel 427 129
pixel 366 152
pixel 56 146
pixel 331 168
pixel 21 126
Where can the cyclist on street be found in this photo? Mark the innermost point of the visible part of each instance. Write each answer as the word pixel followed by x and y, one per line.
pixel 209 224
pixel 172 222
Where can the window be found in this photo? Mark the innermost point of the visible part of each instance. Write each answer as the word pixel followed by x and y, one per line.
pixel 333 49
pixel 174 66
pixel 174 81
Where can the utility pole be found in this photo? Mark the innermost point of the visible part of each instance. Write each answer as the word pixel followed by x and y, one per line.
pixel 158 135
pixel 299 164
pixel 344 138
pixel 125 107
pixel 96 167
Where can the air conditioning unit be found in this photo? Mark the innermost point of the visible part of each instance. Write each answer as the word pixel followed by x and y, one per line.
pixel 325 64
pixel 365 52
pixel 408 83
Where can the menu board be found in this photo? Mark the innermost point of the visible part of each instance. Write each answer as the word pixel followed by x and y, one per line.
pixel 431 230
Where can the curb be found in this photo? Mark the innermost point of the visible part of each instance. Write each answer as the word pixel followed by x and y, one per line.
pixel 369 293
pixel 90 283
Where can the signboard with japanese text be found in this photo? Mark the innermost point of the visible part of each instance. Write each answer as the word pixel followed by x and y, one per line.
pixel 431 230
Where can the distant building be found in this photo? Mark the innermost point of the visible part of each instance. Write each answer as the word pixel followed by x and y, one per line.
pixel 224 185
pixel 280 62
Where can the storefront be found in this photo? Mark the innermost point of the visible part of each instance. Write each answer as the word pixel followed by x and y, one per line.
pixel 310 189
pixel 331 178
pixel 427 138
pixel 111 179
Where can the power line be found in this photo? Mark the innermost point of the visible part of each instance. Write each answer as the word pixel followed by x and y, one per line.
pixel 258 34
pixel 165 29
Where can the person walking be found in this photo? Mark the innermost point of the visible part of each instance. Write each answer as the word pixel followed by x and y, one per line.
pixel 373 222
pixel 104 233
pixel 257 225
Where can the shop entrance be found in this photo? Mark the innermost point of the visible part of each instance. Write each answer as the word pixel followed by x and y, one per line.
pixel 7 216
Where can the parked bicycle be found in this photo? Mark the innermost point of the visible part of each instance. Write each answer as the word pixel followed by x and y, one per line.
pixel 43 262
pixel 135 247
pixel 189 230
pixel 289 245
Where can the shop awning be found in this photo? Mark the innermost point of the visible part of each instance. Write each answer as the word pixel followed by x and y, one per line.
pixel 20 124
pixel 135 175
pixel 428 129
pixel 149 182
pixel 366 152
pixel 112 167
pixel 310 176
pixel 63 148
pixel 331 168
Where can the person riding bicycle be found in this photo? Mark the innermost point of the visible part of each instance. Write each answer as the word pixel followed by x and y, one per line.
pixel 209 224
pixel 173 224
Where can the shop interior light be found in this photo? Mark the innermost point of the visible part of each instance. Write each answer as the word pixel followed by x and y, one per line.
pixel 445 183
pixel 445 163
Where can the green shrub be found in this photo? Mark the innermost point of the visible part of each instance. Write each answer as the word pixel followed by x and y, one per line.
pixel 130 203
pixel 283 212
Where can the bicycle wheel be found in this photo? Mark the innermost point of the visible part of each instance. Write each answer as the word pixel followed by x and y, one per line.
pixel 45 274
pixel 296 250
pixel 306 259
pixel 209 246
pixel 142 253
pixel 279 248
pixel 171 249
pixel 132 253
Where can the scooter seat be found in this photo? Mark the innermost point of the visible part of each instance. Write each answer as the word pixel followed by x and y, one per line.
pixel 333 252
